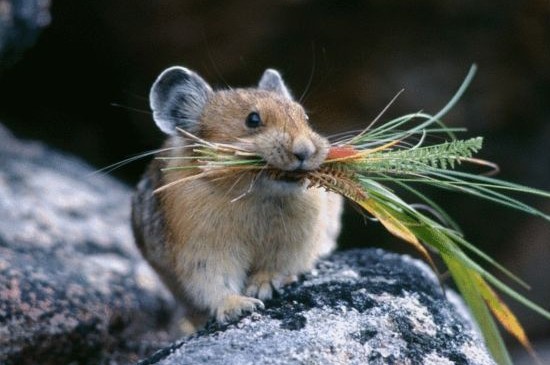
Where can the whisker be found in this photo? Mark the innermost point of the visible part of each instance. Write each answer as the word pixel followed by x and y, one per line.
pixel 136 96
pixel 250 187
pixel 341 137
pixel 108 169
pixel 117 105
pixel 180 181
pixel 211 59
pixel 237 180
pixel 311 76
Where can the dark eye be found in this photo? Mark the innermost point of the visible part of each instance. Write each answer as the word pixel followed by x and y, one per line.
pixel 253 120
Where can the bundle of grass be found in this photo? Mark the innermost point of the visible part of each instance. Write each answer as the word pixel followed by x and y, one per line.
pixel 363 166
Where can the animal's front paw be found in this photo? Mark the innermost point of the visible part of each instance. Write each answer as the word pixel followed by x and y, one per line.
pixel 261 284
pixel 233 306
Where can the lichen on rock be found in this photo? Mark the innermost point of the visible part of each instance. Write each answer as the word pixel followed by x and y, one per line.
pixel 358 307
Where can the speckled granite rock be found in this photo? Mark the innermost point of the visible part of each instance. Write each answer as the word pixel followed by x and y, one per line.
pixel 74 290
pixel 72 285
pixel 358 307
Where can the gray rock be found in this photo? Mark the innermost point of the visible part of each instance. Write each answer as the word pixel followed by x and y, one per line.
pixel 72 285
pixel 21 21
pixel 358 307
pixel 73 289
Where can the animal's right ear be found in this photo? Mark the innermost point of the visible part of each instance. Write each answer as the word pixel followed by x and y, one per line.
pixel 272 81
pixel 177 98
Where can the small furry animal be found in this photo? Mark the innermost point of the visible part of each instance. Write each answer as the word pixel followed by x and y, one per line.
pixel 222 256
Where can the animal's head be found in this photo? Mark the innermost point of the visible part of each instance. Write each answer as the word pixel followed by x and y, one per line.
pixel 266 119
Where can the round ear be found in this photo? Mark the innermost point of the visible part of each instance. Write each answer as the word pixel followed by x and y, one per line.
pixel 272 81
pixel 177 98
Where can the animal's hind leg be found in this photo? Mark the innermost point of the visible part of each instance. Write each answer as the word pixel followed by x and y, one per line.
pixel 193 321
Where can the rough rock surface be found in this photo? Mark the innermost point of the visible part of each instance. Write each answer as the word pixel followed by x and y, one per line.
pixel 74 290
pixel 358 307
pixel 72 285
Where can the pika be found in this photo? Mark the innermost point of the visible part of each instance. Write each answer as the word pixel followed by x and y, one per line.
pixel 220 256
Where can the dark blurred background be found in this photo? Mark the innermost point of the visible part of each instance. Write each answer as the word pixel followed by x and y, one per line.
pixel 82 87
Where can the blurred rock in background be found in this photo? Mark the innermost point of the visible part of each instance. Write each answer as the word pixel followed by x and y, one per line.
pixel 73 286
pixel 21 22
pixel 345 60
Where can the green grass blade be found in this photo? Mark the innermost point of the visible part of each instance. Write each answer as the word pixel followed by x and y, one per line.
pixel 380 133
pixel 456 97
pixel 498 184
pixel 463 280
pixel 472 188
pixel 446 217
pixel 444 241
pixel 462 242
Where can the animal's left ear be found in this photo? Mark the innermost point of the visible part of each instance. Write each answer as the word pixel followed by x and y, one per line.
pixel 272 81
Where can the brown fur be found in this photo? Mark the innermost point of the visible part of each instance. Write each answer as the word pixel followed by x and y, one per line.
pixel 222 245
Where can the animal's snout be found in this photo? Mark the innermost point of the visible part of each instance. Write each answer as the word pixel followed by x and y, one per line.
pixel 303 149
pixel 302 155
pixel 304 152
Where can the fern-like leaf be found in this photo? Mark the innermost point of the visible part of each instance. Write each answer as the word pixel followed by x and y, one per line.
pixel 412 161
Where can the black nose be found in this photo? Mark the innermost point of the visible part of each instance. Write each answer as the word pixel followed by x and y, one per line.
pixel 302 155
pixel 303 148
